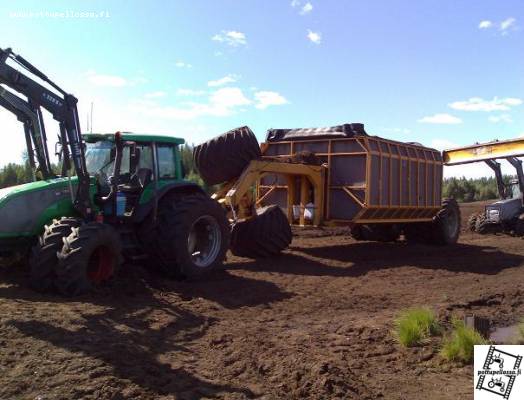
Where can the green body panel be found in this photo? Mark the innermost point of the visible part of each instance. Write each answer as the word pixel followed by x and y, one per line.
pixel 149 190
pixel 25 209
pixel 134 137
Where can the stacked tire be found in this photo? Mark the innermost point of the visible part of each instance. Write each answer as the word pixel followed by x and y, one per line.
pixel 223 159
pixel 265 235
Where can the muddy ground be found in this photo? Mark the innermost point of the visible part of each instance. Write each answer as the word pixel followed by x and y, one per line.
pixel 314 323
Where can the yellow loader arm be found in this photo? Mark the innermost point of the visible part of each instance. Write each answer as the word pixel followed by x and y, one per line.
pixel 484 151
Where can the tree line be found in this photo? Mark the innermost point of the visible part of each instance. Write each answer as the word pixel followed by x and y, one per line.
pixel 467 190
pixel 462 189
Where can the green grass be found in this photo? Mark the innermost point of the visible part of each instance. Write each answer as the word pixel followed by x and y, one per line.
pixel 459 345
pixel 416 325
pixel 520 333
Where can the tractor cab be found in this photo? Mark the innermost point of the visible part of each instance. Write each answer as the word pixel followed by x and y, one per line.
pixel 130 169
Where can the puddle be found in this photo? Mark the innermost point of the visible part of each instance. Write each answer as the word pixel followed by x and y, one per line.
pixel 505 335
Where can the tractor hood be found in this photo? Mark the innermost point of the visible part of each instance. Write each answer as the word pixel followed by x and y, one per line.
pixel 503 210
pixel 24 209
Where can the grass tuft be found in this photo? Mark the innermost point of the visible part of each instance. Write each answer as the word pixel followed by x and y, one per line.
pixel 416 325
pixel 520 333
pixel 460 344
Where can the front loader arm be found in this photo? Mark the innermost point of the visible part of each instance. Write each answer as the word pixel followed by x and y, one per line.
pixel 63 107
pixel 32 127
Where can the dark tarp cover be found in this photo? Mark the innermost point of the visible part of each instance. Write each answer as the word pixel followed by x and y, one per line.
pixel 333 132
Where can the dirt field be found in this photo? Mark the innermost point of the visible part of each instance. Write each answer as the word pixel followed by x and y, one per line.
pixel 314 323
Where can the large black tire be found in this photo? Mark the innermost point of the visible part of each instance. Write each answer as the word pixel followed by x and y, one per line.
pixel 472 222
pixel 443 230
pixel 225 157
pixel 265 235
pixel 419 232
pixel 43 256
pixel 446 224
pixel 376 232
pixel 91 255
pixel 483 226
pixel 190 237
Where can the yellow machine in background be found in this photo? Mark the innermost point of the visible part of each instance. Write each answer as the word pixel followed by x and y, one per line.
pixel 506 214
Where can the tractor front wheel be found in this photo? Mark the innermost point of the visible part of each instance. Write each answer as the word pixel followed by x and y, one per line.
pixel 43 259
pixel 91 255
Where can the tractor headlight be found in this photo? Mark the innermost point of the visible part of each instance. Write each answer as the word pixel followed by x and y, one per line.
pixel 494 215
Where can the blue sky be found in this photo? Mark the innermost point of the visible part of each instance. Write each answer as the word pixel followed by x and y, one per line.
pixel 443 73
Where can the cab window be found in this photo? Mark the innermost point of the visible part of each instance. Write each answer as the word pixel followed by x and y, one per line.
pixel 166 161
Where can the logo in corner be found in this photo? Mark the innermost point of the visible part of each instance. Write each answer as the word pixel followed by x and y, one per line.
pixel 497 370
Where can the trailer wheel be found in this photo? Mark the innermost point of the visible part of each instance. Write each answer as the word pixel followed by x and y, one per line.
pixel 376 232
pixel 472 222
pixel 446 224
pixel 43 256
pixel 191 236
pixel 91 255
pixel 225 157
pixel 265 235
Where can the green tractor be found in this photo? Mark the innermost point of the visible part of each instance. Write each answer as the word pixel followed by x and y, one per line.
pixel 119 196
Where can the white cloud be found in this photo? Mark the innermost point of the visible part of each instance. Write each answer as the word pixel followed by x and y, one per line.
pixel 479 104
pixel 231 38
pixel 154 95
pixel 500 118
pixel 265 99
pixel 221 103
pixel 106 80
pixel 182 64
pixel 190 92
pixel 441 119
pixel 308 7
pixel 295 3
pixel 507 23
pixel 315 37
pixel 443 144
pixel 223 81
pixel 485 24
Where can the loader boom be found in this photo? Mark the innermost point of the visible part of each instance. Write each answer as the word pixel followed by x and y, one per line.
pixel 63 107
pixel 489 152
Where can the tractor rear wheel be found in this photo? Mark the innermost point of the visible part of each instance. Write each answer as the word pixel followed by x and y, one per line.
pixel 225 157
pixel 265 235
pixel 191 236
pixel 43 256
pixel 91 255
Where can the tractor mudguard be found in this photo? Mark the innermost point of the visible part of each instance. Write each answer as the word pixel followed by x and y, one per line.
pixel 145 207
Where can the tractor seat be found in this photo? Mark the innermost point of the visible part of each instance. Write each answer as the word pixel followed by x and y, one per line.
pixel 139 180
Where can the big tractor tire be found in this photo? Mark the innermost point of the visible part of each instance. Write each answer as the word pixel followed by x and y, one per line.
pixel 419 232
pixel 446 224
pixel 91 255
pixel 483 226
pixel 472 222
pixel 376 232
pixel 265 235
pixel 443 230
pixel 225 157
pixel 43 256
pixel 191 236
